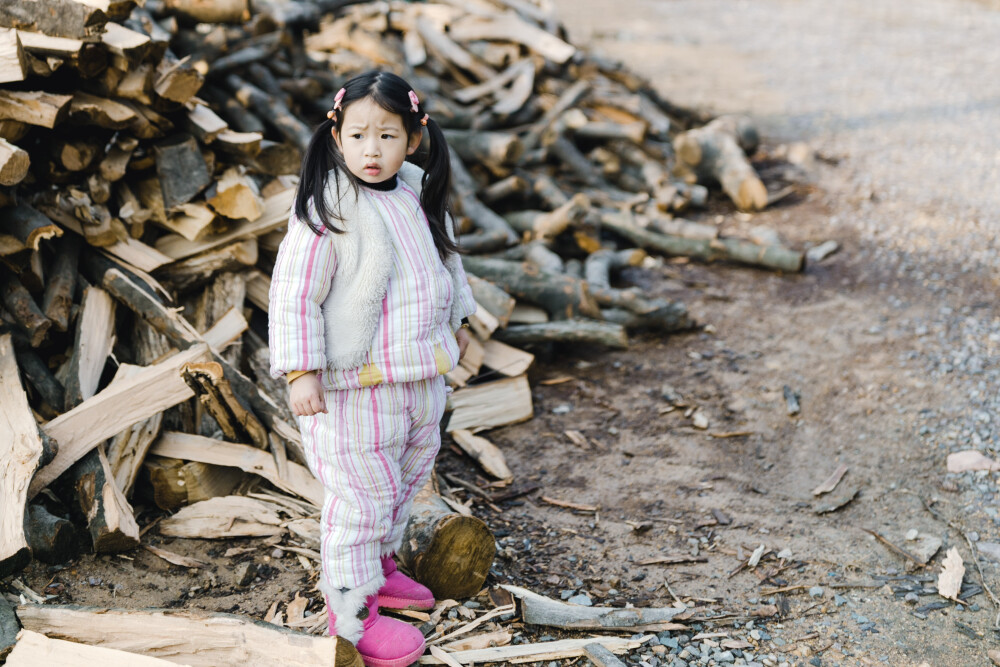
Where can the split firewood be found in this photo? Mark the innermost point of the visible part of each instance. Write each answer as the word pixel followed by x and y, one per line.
pixel 107 413
pixel 52 539
pixel 59 18
pixel 20 430
pixel 489 405
pixel 33 648
pixel 272 110
pixel 449 553
pixel 235 196
pixel 511 186
pixel 716 153
pixel 483 452
pixel 198 638
pixel 505 359
pixel 127 450
pixel 193 220
pixel 560 649
pixel 34 107
pixel 298 480
pixel 181 170
pixel 199 269
pixel 224 517
pixel 21 305
pixel 540 610
pixel 93 110
pixel 204 124
pixel 102 504
pixel 238 424
pixel 94 340
pixel 13 65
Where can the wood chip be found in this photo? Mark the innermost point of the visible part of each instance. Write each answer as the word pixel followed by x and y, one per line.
pixel 557 380
pixel 832 481
pixel 952 572
pixel 568 505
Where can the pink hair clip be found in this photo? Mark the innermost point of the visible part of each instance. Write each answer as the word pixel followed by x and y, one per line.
pixel 423 121
pixel 332 113
pixel 414 102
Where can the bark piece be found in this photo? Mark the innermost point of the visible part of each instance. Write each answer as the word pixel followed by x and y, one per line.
pixel 98 418
pixel 540 610
pixel 24 452
pixel 14 162
pixel 59 18
pixel 449 553
pixel 33 648
pixel 608 334
pixel 181 170
pixel 197 638
pixel 37 373
pixel 108 514
pixel 34 107
pixel 27 226
pixel 52 539
pixel 489 405
pixel 298 480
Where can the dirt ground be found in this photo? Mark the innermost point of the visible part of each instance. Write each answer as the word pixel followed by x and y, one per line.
pixel 890 345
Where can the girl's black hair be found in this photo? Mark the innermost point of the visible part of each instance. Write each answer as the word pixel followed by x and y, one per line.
pixel 390 92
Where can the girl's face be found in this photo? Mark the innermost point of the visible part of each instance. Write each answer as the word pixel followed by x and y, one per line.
pixel 373 141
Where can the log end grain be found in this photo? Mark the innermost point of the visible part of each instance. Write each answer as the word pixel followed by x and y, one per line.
pixel 455 562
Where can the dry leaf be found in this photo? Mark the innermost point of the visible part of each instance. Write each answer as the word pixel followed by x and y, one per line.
pixel 176 559
pixel 952 572
pixel 971 459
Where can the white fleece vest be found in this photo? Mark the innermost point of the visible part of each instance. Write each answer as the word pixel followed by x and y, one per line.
pixel 364 252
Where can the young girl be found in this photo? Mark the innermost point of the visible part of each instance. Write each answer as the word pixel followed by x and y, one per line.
pixel 368 297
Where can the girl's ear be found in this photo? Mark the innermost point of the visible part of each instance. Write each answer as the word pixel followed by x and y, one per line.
pixel 414 144
pixel 336 138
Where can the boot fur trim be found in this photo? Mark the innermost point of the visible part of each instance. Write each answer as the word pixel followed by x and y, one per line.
pixel 345 605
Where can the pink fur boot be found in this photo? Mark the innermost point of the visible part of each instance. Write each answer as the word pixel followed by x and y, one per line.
pixel 401 592
pixel 382 641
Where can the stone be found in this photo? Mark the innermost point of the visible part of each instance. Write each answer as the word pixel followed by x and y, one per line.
pixel 245 572
pixel 816 592
pixel 581 599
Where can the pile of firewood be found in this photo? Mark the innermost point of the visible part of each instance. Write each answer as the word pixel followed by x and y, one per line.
pixel 148 160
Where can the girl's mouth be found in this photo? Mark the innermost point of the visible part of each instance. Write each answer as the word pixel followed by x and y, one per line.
pixel 372 169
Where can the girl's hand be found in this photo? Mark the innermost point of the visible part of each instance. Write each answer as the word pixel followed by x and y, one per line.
pixel 306 395
pixel 463 338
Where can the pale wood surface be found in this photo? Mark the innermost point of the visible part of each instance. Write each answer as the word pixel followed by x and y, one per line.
pixel 505 359
pixel 224 517
pixel 13 66
pixel 484 452
pixel 490 405
pixel 102 416
pixel 33 649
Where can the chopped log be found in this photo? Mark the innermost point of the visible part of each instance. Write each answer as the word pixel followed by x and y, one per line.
pixel 137 84
pixel 151 197
pixel 97 497
pixel 549 193
pixel 497 302
pixel 219 11
pixel 238 424
pixel 34 107
pixel 9 627
pixel 33 648
pixel 204 123
pixel 589 332
pixel 13 130
pixel 734 250
pixel 606 131
pixel 276 210
pixel 87 58
pixel 235 196
pixel 489 405
pixel 494 148
pixel 272 110
pixel 77 154
pixel 98 418
pixel 193 220
pixel 537 254
pixel 95 336
pixel 547 225
pixel 540 610
pixel 59 18
pixel 197 638
pixel 240 118
pixel 128 46
pixel 440 43
pixel 240 145
pixel 19 303
pixel 181 169
pixel 483 452
pixel 24 452
pixel 569 99
pixel 14 162
pixel 93 110
pixel 259 360
pixel 277 159
pixel 684 228
pixel 177 81
pixel 27 226
pixel 483 323
pixel 13 65
pixel 449 553
pixel 601 657
pixel 52 539
pixel 511 28
pixel 176 484
pixel 505 359
pixel 562 296
pixel 115 163
pixel 224 517
pixel 298 480
pixel 199 269
pixel 482 216
pixel 227 330
pixel 713 154
pixel 504 189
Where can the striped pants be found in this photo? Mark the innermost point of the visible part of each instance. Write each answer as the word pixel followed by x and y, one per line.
pixel 372 451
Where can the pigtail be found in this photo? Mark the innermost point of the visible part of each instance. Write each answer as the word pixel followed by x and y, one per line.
pixel 435 185
pixel 320 157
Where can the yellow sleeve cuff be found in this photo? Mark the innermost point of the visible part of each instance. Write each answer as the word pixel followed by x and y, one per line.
pixel 294 375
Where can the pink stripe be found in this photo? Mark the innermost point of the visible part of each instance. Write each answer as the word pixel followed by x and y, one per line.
pixel 302 309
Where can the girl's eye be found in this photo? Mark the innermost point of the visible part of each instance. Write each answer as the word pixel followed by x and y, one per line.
pixel 356 135
pixel 387 136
